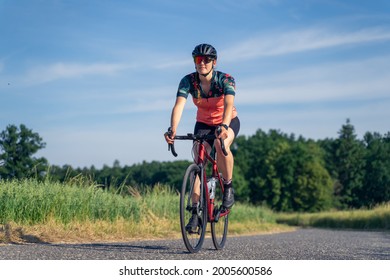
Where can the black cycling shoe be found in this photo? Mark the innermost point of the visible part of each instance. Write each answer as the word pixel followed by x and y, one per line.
pixel 192 226
pixel 228 198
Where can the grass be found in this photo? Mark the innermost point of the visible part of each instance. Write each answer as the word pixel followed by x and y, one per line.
pixel 377 218
pixel 30 202
pixel 79 211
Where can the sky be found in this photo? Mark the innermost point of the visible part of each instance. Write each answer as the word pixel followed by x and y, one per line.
pixel 97 80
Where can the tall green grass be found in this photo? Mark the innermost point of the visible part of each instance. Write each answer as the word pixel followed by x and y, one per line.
pixel 376 218
pixel 58 211
pixel 79 205
pixel 32 202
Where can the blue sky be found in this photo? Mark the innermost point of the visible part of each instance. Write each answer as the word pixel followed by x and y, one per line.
pixel 97 79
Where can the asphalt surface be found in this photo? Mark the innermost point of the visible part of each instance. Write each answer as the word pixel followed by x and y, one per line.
pixel 303 244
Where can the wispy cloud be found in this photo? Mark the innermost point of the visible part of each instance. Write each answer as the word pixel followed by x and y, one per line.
pixel 52 72
pixel 280 43
pixel 301 40
pixel 262 45
pixel 173 63
pixel 357 80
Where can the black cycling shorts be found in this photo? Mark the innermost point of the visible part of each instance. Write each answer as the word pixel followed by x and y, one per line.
pixel 210 129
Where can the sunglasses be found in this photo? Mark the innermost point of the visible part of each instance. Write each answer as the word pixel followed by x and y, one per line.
pixel 205 59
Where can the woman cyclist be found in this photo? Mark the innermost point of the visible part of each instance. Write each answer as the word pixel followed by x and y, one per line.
pixel 213 94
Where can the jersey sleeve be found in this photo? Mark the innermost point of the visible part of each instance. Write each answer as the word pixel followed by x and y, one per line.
pixel 229 85
pixel 184 88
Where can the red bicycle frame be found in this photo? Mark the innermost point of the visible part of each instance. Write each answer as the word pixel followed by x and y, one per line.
pixel 202 156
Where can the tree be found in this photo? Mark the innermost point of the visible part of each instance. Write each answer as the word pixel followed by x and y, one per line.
pixel 377 175
pixel 349 161
pixel 17 147
pixel 282 172
pixel 312 188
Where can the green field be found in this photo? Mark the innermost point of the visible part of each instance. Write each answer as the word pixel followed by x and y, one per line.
pixel 79 211
pixel 377 218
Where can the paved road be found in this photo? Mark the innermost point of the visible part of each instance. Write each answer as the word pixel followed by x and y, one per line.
pixel 303 244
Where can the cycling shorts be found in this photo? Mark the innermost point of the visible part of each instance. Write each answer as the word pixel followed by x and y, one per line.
pixel 203 128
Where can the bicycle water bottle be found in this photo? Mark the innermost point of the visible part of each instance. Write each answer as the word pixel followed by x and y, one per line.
pixel 211 186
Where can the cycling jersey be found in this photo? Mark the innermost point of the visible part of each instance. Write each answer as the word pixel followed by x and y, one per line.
pixel 210 105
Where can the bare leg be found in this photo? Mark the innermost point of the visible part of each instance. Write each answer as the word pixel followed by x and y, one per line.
pixel 196 193
pixel 225 163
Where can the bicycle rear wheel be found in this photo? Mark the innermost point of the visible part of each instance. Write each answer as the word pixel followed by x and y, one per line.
pixel 219 229
pixel 192 241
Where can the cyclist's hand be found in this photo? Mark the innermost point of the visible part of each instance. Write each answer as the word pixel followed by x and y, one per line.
pixel 221 132
pixel 170 135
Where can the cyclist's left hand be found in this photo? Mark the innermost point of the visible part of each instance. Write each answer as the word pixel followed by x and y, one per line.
pixel 221 132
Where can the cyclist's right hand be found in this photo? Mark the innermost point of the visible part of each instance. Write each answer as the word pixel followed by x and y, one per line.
pixel 170 135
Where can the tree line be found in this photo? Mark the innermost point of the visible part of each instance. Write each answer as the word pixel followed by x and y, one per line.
pixel 284 172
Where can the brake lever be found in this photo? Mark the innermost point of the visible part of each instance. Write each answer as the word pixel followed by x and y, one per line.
pixel 219 130
pixel 171 147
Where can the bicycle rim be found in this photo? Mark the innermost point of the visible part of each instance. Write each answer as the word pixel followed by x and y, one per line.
pixel 219 229
pixel 192 241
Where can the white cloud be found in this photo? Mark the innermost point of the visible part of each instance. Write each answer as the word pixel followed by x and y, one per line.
pixel 48 73
pixel 354 80
pixel 300 40
pixel 173 63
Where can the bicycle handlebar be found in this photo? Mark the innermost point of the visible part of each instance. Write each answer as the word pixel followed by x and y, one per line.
pixel 196 137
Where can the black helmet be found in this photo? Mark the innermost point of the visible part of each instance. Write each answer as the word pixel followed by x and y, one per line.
pixel 205 49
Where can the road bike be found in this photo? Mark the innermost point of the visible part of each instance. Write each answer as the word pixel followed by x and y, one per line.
pixel 209 207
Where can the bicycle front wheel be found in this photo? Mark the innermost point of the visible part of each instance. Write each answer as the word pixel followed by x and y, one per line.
pixel 219 228
pixel 193 240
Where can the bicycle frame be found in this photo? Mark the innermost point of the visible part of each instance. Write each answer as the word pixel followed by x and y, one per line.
pixel 202 156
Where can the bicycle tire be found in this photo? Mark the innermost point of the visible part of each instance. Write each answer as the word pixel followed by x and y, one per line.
pixel 192 241
pixel 219 229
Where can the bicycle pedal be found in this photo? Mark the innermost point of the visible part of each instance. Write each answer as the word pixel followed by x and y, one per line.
pixel 217 215
pixel 194 231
